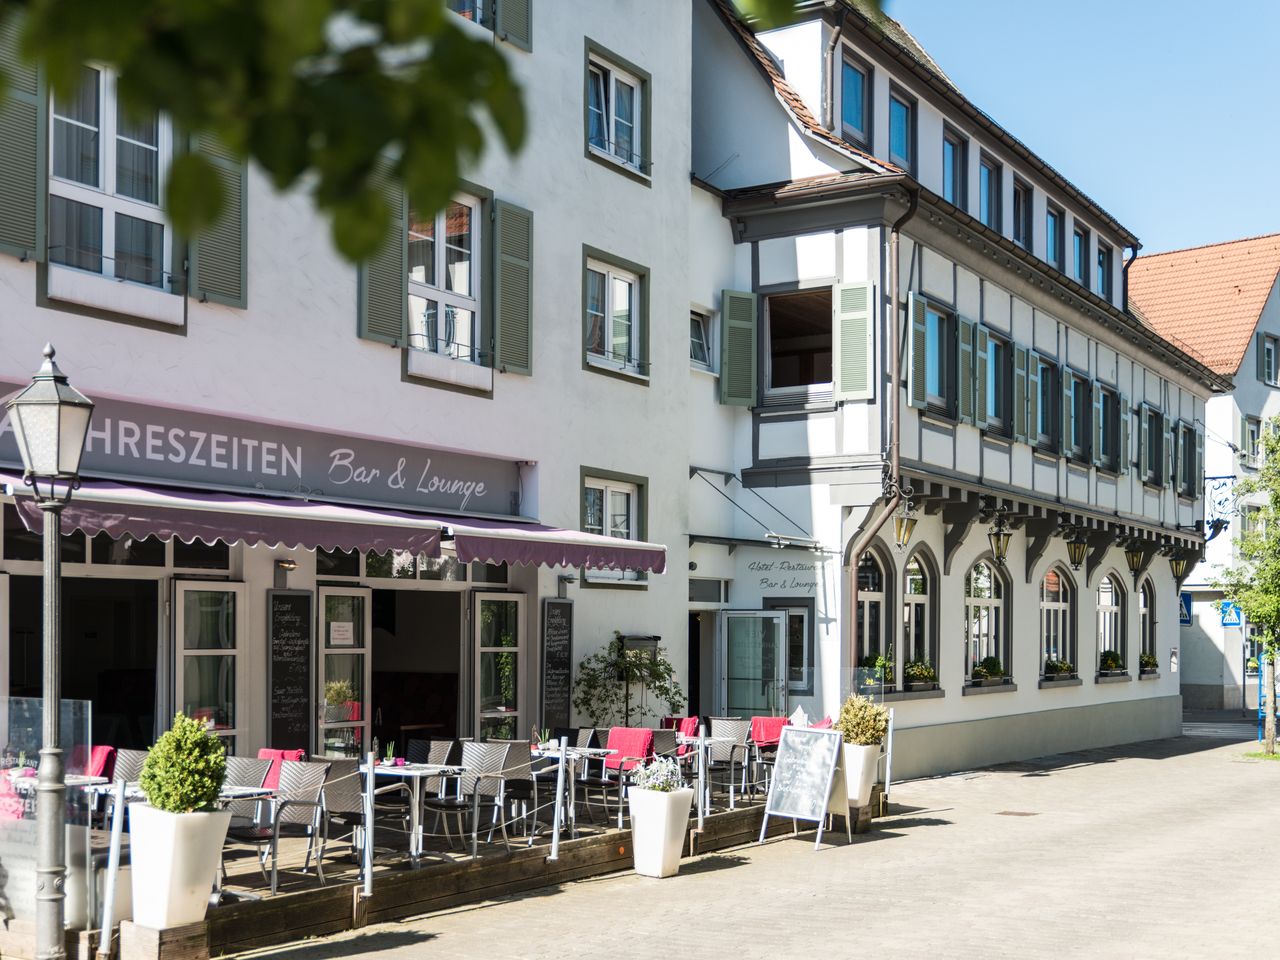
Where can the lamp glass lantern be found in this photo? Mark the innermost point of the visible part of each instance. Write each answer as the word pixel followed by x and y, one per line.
pixel 1134 554
pixel 50 420
pixel 1178 564
pixel 904 523
pixel 1077 546
pixel 998 537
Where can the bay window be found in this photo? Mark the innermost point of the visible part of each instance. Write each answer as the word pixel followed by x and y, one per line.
pixel 444 282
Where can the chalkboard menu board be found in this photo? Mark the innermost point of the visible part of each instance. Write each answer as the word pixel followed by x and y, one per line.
pixel 808 778
pixel 557 661
pixel 289 669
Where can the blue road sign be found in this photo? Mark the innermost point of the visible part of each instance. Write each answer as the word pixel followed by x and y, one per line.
pixel 1184 609
pixel 1230 614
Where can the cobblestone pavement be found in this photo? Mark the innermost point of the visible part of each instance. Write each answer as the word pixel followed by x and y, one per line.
pixel 1165 849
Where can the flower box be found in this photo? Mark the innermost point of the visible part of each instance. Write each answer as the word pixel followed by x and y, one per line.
pixel 917 687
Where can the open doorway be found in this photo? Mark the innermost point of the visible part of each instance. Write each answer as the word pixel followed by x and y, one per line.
pixel 109 636
pixel 417 665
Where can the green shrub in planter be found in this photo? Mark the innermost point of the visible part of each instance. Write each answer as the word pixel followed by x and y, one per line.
pixel 184 771
pixel 920 671
pixel 862 721
pixel 988 668
pixel 1056 667
pixel 1110 660
pixel 1149 661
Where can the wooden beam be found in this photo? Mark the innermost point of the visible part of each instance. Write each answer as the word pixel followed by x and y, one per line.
pixel 1039 532
pixel 959 518
pixel 1100 541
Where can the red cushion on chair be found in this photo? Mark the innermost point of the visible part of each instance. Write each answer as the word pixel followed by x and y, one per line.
pixel 686 727
pixel 277 757
pixel 767 731
pixel 823 724
pixel 102 762
pixel 632 744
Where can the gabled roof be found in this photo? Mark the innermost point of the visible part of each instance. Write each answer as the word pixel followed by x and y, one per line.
pixel 791 101
pixel 1208 299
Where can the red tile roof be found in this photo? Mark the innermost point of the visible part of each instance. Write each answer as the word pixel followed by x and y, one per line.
pixel 1207 300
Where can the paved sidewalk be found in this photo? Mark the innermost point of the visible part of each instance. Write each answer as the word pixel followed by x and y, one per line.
pixel 1164 849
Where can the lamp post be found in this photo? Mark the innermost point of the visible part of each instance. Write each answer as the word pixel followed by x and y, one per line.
pixel 50 419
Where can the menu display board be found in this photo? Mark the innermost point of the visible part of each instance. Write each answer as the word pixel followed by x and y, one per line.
pixel 808 779
pixel 557 661
pixel 289 683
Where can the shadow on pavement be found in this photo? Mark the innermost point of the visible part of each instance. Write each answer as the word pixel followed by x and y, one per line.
pixel 713 861
pixel 1146 750
pixel 365 943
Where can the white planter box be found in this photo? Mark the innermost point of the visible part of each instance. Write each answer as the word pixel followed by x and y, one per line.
pixel 860 772
pixel 658 824
pixel 175 858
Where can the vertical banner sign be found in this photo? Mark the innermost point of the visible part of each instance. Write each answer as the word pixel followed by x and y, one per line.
pixel 557 661
pixel 289 669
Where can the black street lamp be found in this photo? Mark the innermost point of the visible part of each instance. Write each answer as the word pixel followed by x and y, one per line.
pixel 50 420
pixel 1077 547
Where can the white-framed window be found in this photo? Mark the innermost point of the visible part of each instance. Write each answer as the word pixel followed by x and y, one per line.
pixel 1111 622
pixel 611 508
pixel 1147 620
pixel 798 327
pixel 870 626
pixel 984 618
pixel 444 282
pixel 701 341
pixel 1057 617
pixel 799 651
pixel 474 10
pixel 106 181
pixel 614 114
pixel 613 316
pixel 916 628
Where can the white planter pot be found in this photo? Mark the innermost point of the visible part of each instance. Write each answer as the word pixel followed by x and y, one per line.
pixel 860 772
pixel 175 858
pixel 658 824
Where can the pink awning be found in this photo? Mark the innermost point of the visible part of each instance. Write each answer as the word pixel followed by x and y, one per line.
pixel 116 509
pixel 498 541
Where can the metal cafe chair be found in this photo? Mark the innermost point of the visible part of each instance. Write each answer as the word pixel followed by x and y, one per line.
pixel 723 755
pixel 297 809
pixel 632 746
pixel 520 786
pixel 246 772
pixel 482 780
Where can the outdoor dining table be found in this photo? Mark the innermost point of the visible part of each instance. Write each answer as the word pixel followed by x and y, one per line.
pixel 572 755
pixel 414 773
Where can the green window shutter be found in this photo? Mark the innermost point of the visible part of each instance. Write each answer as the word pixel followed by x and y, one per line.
pixel 383 309
pixel 1067 409
pixel 918 342
pixel 1243 453
pixel 1097 426
pixel 1123 455
pixel 513 288
pixel 1170 434
pixel 1260 355
pixel 964 372
pixel 737 348
pixel 513 22
pixel 219 268
pixel 981 346
pixel 1033 398
pixel 1021 391
pixel 22 149
pixel 853 362
pixel 1144 443
pixel 1198 479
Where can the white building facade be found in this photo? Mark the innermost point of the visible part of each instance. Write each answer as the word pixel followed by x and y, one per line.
pixel 509 402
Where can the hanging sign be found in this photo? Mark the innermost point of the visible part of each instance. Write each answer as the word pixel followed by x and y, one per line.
pixel 808 779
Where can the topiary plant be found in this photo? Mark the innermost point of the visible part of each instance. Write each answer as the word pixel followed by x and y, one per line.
pixel 184 771
pixel 862 721
pixel 1110 660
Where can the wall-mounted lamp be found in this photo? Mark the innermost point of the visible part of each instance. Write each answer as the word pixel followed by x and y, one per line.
pixel 1134 555
pixel 1178 565
pixel 284 567
pixel 1077 547
pixel 904 524
pixel 998 536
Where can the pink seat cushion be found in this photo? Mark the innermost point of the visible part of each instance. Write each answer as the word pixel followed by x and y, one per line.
pixel 823 724
pixel 102 762
pixel 632 744
pixel 767 731
pixel 277 757
pixel 686 727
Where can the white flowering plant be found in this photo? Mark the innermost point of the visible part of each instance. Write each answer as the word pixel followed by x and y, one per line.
pixel 661 774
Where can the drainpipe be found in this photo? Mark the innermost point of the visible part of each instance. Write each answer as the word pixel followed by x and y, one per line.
pixel 1135 247
pixel 829 96
pixel 893 482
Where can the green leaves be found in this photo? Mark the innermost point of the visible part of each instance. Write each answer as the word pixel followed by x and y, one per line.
pixel 314 92
pixel 609 686
pixel 862 721
pixel 184 771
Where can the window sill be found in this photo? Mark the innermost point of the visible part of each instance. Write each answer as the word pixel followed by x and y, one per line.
pixel 902 695
pixel 972 690
pixel 597 365
pixel 447 370
pixel 997 436
pixel 705 371
pixel 1155 675
pixel 613 163
pixel 70 285
pixel 1045 453
pixel 599 583
pixel 1046 684
pixel 1112 678
pixel 938 417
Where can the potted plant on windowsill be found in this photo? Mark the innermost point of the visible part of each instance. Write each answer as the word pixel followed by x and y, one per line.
pixel 660 804
pixel 875 672
pixel 1110 664
pixel 1149 663
pixel 863 725
pixel 1055 670
pixel 989 672
pixel 920 675
pixel 176 837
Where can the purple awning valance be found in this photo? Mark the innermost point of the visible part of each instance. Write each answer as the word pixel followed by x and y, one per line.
pixel 115 509
pixel 496 541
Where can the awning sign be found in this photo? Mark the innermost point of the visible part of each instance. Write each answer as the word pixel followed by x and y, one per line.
pixel 1184 609
pixel 1230 614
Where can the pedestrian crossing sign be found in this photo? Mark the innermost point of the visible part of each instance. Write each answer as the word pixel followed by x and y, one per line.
pixel 1184 609
pixel 1230 614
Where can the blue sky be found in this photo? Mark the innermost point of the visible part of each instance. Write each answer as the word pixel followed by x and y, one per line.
pixel 1165 112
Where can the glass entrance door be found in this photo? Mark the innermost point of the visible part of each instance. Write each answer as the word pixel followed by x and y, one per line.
pixel 346 622
pixel 499 645
pixel 209 619
pixel 753 660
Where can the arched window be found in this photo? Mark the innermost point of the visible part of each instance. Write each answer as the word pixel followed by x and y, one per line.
pixel 917 587
pixel 1147 627
pixel 870 616
pixel 985 624
pixel 1057 618
pixel 1111 652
